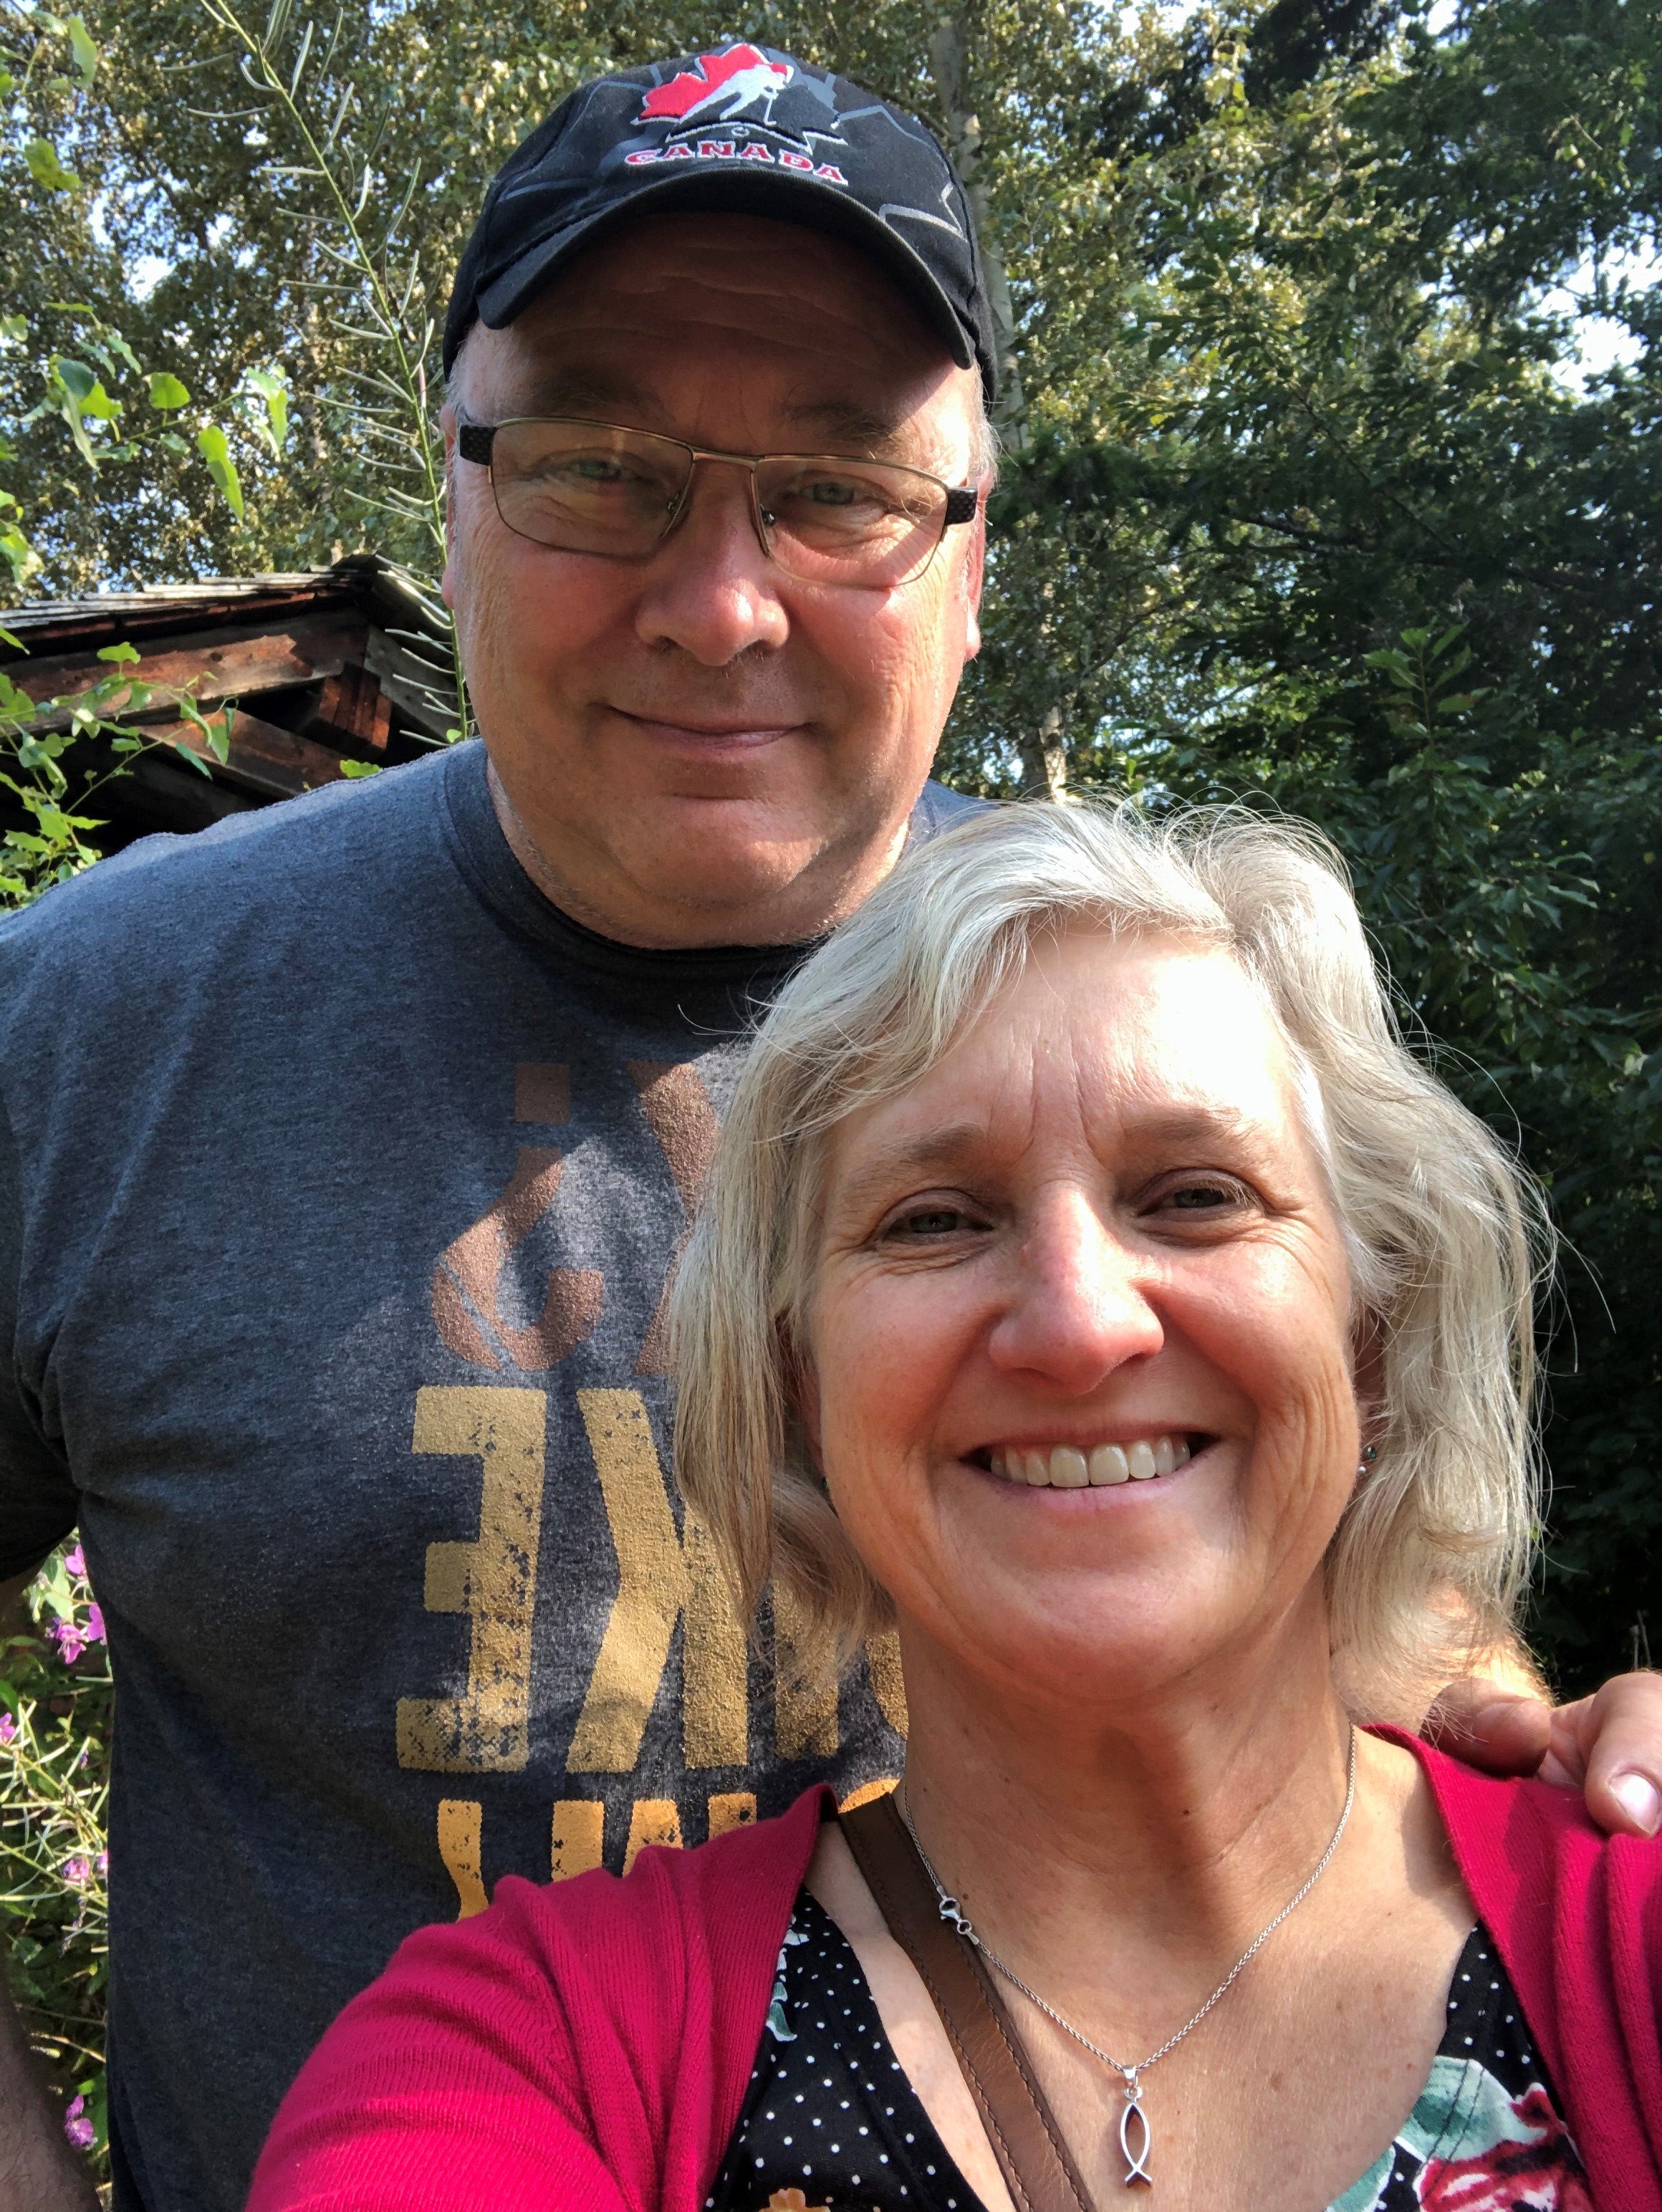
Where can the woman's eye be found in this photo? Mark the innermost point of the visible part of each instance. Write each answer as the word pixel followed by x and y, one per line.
pixel 920 1223
pixel 1199 1197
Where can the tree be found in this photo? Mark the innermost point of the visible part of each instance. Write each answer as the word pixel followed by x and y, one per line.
pixel 1319 513
pixel 1295 388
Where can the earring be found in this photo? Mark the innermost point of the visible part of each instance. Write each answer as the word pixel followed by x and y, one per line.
pixel 1369 1454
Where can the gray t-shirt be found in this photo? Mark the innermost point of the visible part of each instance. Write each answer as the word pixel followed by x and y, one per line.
pixel 340 1178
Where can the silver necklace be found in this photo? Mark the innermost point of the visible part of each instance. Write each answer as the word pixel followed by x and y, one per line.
pixel 1136 2135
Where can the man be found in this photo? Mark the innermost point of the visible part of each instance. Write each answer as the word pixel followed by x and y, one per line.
pixel 348 1146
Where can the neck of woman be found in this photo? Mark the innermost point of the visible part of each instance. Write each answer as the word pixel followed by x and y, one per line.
pixel 1132 1842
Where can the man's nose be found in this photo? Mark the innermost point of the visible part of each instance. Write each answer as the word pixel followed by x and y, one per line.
pixel 710 587
pixel 1078 1302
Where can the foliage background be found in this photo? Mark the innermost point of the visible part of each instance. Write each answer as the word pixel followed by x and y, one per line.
pixel 1333 485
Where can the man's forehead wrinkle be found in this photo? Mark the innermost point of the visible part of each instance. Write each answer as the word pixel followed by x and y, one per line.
pixel 852 419
pixel 551 389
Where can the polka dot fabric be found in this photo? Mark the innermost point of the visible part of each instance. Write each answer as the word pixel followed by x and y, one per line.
pixel 829 2111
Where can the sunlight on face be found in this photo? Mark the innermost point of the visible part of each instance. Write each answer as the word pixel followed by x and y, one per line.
pixel 695 730
pixel 1081 1379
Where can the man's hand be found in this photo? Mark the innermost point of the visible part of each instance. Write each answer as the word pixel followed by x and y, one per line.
pixel 1608 1746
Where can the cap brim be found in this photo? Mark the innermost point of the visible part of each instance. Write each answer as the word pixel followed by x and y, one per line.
pixel 786 198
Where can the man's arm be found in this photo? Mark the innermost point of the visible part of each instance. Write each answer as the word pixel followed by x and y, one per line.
pixel 39 2172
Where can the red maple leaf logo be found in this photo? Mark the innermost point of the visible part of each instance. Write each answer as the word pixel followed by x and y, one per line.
pixel 724 85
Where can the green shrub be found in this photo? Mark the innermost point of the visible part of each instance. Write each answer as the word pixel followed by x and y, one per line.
pixel 55 1698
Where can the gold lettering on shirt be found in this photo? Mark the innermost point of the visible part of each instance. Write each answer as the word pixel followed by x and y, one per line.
pixel 577 1837
pixel 804 1683
pixel 459 1819
pixel 466 1281
pixel 867 1791
pixel 888 1683
pixel 732 1809
pixel 494 1579
pixel 680 1116
pixel 663 1579
pixel 654 1821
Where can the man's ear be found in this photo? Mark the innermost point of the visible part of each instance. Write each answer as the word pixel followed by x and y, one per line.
pixel 447 582
pixel 975 573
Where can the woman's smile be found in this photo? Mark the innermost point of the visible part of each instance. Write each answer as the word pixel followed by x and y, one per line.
pixel 1142 1457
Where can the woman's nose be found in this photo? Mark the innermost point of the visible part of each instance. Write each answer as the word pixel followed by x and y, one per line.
pixel 1077 1303
pixel 710 587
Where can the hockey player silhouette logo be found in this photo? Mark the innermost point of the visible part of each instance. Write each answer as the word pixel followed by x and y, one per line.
pixel 724 87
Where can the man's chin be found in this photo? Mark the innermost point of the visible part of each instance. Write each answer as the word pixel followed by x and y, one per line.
pixel 719 855
pixel 659 867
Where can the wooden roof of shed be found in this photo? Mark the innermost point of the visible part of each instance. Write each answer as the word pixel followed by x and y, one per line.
pixel 317 667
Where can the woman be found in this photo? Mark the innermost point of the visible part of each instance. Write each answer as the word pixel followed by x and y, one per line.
pixel 1093 1289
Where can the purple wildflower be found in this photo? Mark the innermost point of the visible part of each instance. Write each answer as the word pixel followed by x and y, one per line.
pixel 101 1865
pixel 77 2127
pixel 8 1729
pixel 75 1561
pixel 69 1640
pixel 94 1628
pixel 77 1871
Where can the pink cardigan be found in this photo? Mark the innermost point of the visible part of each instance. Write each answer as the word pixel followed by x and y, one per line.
pixel 587 2048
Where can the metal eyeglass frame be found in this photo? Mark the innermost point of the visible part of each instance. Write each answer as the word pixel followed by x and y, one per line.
pixel 474 442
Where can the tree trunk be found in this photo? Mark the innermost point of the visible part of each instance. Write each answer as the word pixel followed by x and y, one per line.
pixel 1044 761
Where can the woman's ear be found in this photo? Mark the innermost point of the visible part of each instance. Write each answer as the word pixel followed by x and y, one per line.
pixel 1367 1372
pixel 806 1393
pixel 803 1383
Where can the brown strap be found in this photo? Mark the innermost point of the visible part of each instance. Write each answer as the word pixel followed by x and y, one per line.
pixel 1038 2170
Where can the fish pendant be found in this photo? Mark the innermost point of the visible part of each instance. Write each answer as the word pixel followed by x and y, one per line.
pixel 1134 2125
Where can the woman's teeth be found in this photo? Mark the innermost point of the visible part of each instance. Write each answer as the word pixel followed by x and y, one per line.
pixel 1065 1467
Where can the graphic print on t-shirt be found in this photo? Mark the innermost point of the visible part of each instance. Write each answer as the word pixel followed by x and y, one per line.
pixel 667 1576
pixel 466 1280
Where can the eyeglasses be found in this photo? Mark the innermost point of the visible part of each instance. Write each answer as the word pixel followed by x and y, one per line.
pixel 825 518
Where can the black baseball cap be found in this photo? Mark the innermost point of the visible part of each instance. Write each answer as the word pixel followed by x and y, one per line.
pixel 745 129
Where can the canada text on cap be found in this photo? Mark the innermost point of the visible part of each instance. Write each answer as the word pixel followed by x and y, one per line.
pixel 741 129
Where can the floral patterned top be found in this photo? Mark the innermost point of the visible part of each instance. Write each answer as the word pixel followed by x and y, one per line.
pixel 830 2120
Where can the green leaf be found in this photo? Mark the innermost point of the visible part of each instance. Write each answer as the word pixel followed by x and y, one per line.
pixel 17 706
pixel 124 653
pixel 47 170
pixel 116 344
pixel 211 443
pixel 85 389
pixel 7 638
pixel 273 389
pixel 167 392
pixel 189 753
pixel 85 52
pixel 354 769
pixel 20 555
pixel 216 731
pixel 174 443
pixel 14 329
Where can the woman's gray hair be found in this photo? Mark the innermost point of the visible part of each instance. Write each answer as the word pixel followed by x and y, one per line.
pixel 1445 1232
